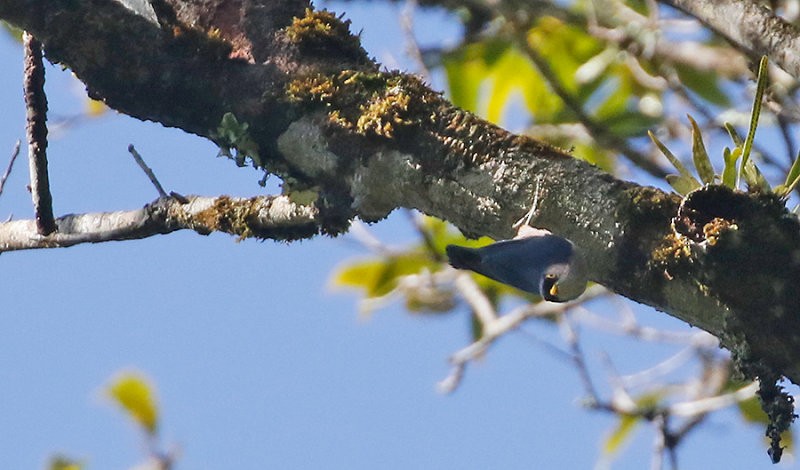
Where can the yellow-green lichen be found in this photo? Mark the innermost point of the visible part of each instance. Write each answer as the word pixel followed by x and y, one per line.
pixel 229 216
pixel 714 229
pixel 322 31
pixel 383 114
pixel 316 88
pixel 674 249
pixel 369 103
pixel 196 41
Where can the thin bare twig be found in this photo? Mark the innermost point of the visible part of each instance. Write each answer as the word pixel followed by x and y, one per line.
pixel 481 305
pixel 499 326
pixel 412 46
pixel 36 130
pixel 660 442
pixel 147 171
pixel 11 161
pixel 570 335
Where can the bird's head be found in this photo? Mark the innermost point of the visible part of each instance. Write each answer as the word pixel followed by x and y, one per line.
pixel 564 281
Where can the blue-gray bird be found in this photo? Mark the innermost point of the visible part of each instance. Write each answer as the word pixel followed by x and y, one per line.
pixel 538 262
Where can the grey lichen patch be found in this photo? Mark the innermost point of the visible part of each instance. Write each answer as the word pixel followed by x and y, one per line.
pixel 381 183
pixel 304 144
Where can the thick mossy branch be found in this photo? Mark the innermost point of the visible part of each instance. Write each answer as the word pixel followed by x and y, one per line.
pixel 325 119
pixel 743 250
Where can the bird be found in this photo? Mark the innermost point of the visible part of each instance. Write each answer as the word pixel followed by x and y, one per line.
pixel 536 261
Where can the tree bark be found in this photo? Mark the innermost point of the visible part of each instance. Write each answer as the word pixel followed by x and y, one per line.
pixel 751 27
pixel 291 89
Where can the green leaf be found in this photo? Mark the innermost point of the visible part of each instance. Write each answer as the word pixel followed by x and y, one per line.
pixel 616 103
pixel 468 67
pixel 684 172
pixel 594 154
pixel 60 462
pixel 134 394
pixel 551 37
pixel 11 30
pixel 729 172
pixel 508 75
pixel 629 123
pixel 737 140
pixel 378 277
pixel 751 412
pixel 754 179
pixel 683 185
pixel 794 171
pixel 792 179
pixel 701 161
pixel 751 133
pixel 626 424
pixel 705 84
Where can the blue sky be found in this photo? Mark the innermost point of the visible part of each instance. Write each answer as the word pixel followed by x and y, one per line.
pixel 257 364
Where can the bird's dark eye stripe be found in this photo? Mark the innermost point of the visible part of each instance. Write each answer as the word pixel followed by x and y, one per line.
pixel 548 282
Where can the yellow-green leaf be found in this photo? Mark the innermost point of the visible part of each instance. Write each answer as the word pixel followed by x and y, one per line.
pixel 551 37
pixel 729 171
pixel 705 84
pixel 682 185
pixel 684 172
pixel 616 102
pixel 95 108
pixel 737 140
pixel 701 161
pixel 467 68
pixel 792 179
pixel 752 412
pixel 135 395
pixel 627 423
pixel 378 277
pixel 629 123
pixel 60 462
pixel 594 154
pixel 755 180
pixel 506 74
pixel 761 85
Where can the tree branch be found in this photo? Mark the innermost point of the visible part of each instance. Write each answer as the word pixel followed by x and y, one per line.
pixel 7 173
pixel 311 107
pixel 36 129
pixel 261 217
pixel 752 27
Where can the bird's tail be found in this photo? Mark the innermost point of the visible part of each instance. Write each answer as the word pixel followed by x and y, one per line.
pixel 462 257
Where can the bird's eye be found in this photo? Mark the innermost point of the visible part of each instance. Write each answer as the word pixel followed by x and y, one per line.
pixel 550 287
